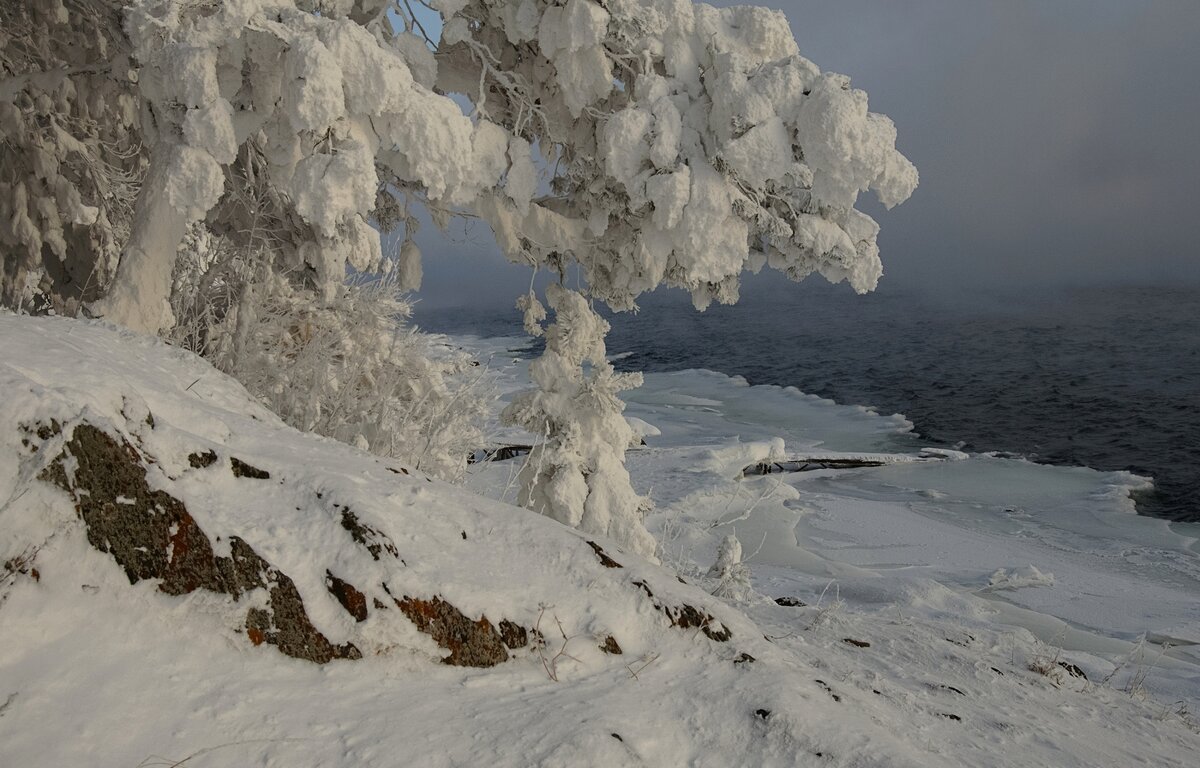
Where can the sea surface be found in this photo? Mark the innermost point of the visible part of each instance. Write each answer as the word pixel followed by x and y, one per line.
pixel 1102 377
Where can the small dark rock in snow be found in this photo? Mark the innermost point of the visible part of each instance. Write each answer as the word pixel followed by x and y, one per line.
pixel 242 469
pixel 687 616
pixel 790 602
pixel 375 541
pixel 856 643
pixel 201 460
pixel 605 560
pixel 828 690
pixel 611 646
pixel 513 635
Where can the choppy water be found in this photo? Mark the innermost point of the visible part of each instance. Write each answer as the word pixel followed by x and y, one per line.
pixel 1101 377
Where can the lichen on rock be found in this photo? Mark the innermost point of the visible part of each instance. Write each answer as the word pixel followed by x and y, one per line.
pixel 471 643
pixel 152 535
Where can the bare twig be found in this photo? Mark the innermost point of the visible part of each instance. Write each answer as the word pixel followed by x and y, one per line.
pixel 550 663
pixel 158 760
pixel 646 661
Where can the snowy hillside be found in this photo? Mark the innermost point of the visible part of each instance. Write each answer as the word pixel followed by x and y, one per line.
pixel 186 577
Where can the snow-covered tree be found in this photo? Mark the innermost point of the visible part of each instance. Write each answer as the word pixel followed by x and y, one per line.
pixel 683 143
pixel 648 142
pixel 577 473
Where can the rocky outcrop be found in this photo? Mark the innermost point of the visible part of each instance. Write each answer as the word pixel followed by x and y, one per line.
pixel 151 535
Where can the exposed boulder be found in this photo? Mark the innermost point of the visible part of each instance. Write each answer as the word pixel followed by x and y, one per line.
pixel 151 535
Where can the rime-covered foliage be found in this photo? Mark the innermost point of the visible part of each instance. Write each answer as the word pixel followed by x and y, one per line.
pixel 689 144
pixel 684 143
pixel 69 150
pixel 732 575
pixel 344 365
pixel 648 142
pixel 577 473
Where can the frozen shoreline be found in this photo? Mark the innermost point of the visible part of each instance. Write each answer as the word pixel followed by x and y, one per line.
pixel 1059 551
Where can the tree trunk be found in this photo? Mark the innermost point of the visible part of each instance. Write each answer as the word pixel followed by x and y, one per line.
pixel 139 298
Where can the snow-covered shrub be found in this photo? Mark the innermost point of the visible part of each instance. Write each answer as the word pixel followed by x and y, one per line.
pixel 346 366
pixel 577 473
pixel 732 575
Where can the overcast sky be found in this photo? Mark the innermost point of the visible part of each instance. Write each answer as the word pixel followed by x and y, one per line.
pixel 1058 141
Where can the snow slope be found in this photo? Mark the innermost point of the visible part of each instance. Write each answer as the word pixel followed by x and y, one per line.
pixel 95 670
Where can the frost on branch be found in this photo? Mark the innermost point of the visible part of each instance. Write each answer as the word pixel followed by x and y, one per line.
pixel 733 576
pixel 577 474
pixel 69 152
pixel 689 144
pixel 683 143
pixel 346 366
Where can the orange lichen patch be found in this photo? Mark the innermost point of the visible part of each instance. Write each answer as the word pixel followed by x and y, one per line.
pixel 471 643
pixel 354 601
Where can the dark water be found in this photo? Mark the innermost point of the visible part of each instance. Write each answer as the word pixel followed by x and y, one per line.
pixel 1101 377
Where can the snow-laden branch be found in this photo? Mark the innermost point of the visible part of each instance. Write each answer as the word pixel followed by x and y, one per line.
pixel 684 145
